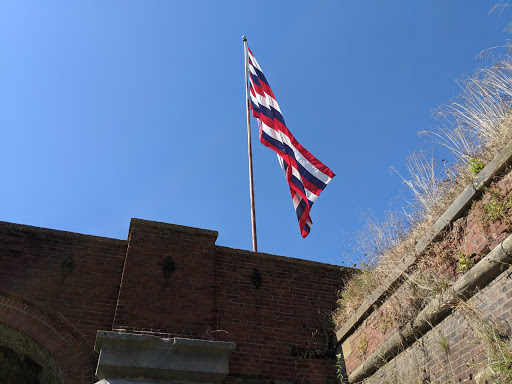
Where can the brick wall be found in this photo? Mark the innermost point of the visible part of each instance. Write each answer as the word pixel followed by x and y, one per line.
pixel 273 325
pixel 281 329
pixel 181 305
pixel 450 352
pixel 62 312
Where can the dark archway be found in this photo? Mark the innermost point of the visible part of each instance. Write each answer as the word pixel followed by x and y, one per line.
pixel 50 330
pixel 23 360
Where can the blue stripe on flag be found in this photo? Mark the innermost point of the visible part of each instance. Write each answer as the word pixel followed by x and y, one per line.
pixel 259 74
pixel 271 113
pixel 255 80
pixel 286 149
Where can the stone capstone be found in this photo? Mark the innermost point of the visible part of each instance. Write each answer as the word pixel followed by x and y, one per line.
pixel 134 358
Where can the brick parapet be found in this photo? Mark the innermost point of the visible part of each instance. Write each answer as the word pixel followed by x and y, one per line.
pixel 60 235
pixel 268 257
pixel 178 305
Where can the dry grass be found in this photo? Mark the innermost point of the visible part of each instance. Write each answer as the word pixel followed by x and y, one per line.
pixel 479 123
pixel 380 237
pixel 426 184
pixel 474 129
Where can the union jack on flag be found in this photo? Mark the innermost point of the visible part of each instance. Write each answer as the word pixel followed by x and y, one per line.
pixel 306 175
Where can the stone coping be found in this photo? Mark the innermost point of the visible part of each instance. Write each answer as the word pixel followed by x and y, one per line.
pixel 285 259
pixel 174 227
pixel 60 233
pixel 148 358
pixel 124 338
pixel 454 211
pixel 128 381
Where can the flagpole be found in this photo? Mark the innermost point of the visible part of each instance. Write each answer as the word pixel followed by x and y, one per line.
pixel 251 181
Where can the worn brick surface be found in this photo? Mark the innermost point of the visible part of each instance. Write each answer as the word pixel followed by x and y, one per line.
pixel 61 312
pixel 426 361
pixel 429 362
pixel 290 309
pixel 181 305
pixel 120 285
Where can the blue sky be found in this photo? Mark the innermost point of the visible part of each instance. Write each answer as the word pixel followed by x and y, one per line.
pixel 118 109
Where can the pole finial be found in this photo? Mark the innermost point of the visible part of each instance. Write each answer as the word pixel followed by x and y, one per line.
pixel 244 38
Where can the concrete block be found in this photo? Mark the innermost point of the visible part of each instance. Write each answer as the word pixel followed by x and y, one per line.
pixel 127 381
pixel 147 358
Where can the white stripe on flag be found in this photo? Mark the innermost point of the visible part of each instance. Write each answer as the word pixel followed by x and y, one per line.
pixel 254 61
pixel 279 136
pixel 267 101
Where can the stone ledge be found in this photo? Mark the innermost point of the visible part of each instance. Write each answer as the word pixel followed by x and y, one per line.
pixel 128 356
pixel 496 165
pixel 125 381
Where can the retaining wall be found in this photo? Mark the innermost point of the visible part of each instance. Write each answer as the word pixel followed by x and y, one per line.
pixel 387 342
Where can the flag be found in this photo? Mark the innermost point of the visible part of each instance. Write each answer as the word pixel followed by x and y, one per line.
pixel 306 175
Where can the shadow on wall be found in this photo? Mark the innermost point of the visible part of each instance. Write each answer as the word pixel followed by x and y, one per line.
pixel 23 360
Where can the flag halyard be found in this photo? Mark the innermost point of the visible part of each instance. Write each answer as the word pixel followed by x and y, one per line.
pixel 306 175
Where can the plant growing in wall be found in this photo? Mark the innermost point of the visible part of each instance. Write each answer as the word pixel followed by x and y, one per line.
pixel 498 206
pixel 494 208
pixel 385 322
pixel 443 343
pixel 464 262
pixel 476 166
pixel 341 372
pixel 319 345
pixel 363 344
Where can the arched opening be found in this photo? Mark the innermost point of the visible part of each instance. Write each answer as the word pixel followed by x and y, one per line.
pixel 66 348
pixel 23 360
